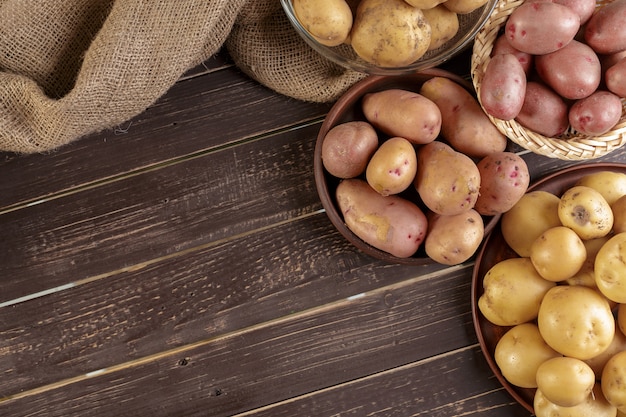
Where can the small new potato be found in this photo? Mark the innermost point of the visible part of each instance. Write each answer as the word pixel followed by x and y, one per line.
pixel 463 120
pixel 558 254
pixel 595 405
pixel 543 110
pixel 392 168
pixel 391 224
pixel 444 25
pixel 610 268
pixel 565 381
pixel 534 213
pixel 611 184
pixel 614 381
pixel 503 87
pixel 596 114
pixel 447 181
pixel 403 113
pixel 504 178
pixel 453 239
pixel 348 147
pixel 328 21
pixel 520 352
pixel 389 33
pixel 576 321
pixel 585 211
pixel 513 291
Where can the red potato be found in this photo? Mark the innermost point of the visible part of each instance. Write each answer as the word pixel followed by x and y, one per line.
pixel 503 87
pixel 502 46
pixel 504 178
pixel 607 61
pixel 573 71
pixel 615 78
pixel 605 31
pixel 544 111
pixel 596 114
pixel 541 27
pixel 348 147
pixel 391 224
pixel 583 8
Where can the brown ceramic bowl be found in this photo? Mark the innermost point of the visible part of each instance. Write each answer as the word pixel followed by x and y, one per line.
pixel 495 250
pixel 348 108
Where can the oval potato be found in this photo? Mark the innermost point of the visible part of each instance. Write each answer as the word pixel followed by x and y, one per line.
pixel 444 25
pixel 615 78
pixel 610 268
pixel 605 31
pixel 328 21
pixel 452 240
pixel 543 110
pixel 596 114
pixel 504 178
pixel 392 168
pixel 503 87
pixel 348 147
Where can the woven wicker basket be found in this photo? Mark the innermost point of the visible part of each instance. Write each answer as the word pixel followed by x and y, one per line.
pixel 569 146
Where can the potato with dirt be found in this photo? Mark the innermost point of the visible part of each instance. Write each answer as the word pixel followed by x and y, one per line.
pixel 452 240
pixel 540 28
pixel 610 268
pixel 392 168
pixel 596 114
pixel 328 21
pixel 503 87
pixel 447 181
pixel 543 110
pixel 585 211
pixel 392 224
pixel 389 33
pixel 444 25
pixel 504 178
pixel 465 126
pixel 403 113
pixel 348 147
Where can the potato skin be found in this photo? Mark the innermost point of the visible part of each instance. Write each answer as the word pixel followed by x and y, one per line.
pixel 605 31
pixel 504 178
pixel 464 6
pixel 502 46
pixel 573 71
pixel 586 211
pixel 503 87
pixel 444 25
pixel 615 78
pixel 403 113
pixel 348 147
pixel 328 21
pixel 543 110
pixel 389 33
pixel 540 28
pixel 424 4
pixel 452 240
pixel 392 168
pixel 596 114
pixel 463 120
pixel 612 185
pixel 447 181
pixel 392 224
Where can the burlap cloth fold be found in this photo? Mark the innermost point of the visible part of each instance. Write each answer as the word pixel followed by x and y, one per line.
pixel 73 67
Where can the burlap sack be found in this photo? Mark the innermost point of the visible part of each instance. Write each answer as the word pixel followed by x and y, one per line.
pixel 73 67
pixel 264 45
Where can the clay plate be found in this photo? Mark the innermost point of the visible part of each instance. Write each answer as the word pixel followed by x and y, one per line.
pixel 495 249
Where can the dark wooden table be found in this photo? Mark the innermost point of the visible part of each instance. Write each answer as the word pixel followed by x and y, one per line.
pixel 181 264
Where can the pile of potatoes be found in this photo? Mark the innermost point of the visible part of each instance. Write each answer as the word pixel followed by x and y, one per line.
pixel 436 143
pixel 562 300
pixel 386 33
pixel 558 65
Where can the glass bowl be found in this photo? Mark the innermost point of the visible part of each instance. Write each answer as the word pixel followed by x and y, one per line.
pixel 344 55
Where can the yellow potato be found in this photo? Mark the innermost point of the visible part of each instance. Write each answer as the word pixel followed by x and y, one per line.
pixel 534 213
pixel 613 380
pixel 403 113
pixel 558 253
pixel 565 381
pixel 444 25
pixel 452 240
pixel 585 210
pixel 619 215
pixel 621 318
pixel 464 6
pixel 328 21
pixel 597 363
pixel 595 405
pixel 463 120
pixel 424 4
pixel 520 352
pixel 392 168
pixel 610 268
pixel 447 181
pixel 389 33
pixel 576 321
pixel 612 185
pixel 586 274
pixel 513 291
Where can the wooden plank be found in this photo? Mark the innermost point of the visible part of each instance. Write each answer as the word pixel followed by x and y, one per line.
pixel 179 300
pixel 197 114
pixel 127 222
pixel 328 345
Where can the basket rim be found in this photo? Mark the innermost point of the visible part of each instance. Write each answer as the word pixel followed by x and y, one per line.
pixel 570 146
